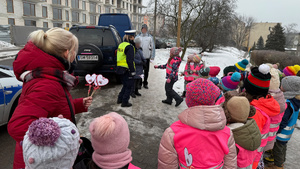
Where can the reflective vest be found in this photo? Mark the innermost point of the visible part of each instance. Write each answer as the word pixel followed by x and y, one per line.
pixel 287 132
pixel 121 56
pixel 264 134
pixel 274 126
pixel 169 67
pixel 190 76
pixel 200 148
pixel 245 158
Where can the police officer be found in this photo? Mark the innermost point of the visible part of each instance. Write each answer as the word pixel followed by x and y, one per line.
pixel 126 67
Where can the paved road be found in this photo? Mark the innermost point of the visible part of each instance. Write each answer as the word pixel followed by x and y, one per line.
pixel 7 62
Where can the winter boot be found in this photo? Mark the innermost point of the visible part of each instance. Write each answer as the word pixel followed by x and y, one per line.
pixel 166 102
pixel 183 94
pixel 270 157
pixel 126 104
pixel 146 86
pixel 119 101
pixel 178 102
pixel 133 95
pixel 137 93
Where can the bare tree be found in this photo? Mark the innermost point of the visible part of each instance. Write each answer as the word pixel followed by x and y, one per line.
pixel 241 27
pixel 291 33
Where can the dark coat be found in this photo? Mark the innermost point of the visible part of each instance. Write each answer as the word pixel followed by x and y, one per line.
pixel 139 61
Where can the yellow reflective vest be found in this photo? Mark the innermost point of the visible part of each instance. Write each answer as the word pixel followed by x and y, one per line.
pixel 121 56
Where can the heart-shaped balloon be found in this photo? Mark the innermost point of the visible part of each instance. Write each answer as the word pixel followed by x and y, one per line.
pixel 101 81
pixel 90 79
pixel 188 157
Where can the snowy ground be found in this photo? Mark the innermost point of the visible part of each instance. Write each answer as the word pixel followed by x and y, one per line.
pixel 5 45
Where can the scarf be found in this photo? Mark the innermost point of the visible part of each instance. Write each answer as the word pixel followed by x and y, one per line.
pixel 67 80
pixel 112 161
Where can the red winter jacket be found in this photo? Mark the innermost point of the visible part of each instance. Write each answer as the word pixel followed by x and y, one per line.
pixel 39 98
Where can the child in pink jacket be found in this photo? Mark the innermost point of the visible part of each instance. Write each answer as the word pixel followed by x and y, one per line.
pixel 200 139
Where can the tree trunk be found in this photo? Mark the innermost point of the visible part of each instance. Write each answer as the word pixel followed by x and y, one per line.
pixel 184 50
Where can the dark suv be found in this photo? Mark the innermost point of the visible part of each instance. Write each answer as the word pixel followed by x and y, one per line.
pixel 97 51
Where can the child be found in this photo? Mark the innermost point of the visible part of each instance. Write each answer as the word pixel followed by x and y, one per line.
pixel 200 139
pixel 245 131
pixel 228 70
pixel 229 83
pixel 241 66
pixel 257 86
pixel 110 139
pixel 204 72
pixel 291 89
pixel 172 76
pixel 51 143
pixel 214 71
pixel 191 70
pixel 139 61
pixel 291 70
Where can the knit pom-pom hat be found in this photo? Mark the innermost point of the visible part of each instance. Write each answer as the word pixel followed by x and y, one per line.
pixel 291 70
pixel 197 58
pixel 275 79
pixel 201 92
pixel 229 83
pixel 204 72
pixel 175 51
pixel 110 139
pixel 214 71
pixel 241 66
pixel 50 143
pixel 291 86
pixel 258 81
pixel 228 69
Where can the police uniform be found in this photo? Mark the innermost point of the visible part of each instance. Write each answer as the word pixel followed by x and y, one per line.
pixel 126 69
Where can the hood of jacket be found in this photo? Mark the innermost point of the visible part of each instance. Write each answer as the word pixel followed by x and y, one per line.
pixel 269 105
pixel 248 135
pixel 295 102
pixel 32 57
pixel 279 97
pixel 211 118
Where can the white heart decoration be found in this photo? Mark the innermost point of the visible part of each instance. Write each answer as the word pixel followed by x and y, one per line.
pixel 101 81
pixel 188 157
pixel 90 79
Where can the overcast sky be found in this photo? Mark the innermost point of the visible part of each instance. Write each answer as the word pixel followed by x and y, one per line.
pixel 283 11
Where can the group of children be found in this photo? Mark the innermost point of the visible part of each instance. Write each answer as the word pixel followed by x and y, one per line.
pixel 228 124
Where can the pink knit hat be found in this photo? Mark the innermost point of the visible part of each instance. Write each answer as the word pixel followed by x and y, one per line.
pixel 175 51
pixel 110 139
pixel 214 71
pixel 201 92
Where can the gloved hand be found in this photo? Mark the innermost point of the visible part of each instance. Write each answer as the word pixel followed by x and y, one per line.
pixel 132 73
pixel 168 80
pixel 155 67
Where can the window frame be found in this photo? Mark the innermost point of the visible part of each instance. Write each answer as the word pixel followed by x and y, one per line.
pixel 94 17
pixel 83 18
pixel 31 22
pixel 94 7
pixel 30 5
pixel 59 17
pixel 47 24
pixel 11 19
pixel 43 7
pixel 78 15
pixel 76 7
pixel 84 2
pixel 12 2
pixel 66 2
pixel 67 16
pixel 57 2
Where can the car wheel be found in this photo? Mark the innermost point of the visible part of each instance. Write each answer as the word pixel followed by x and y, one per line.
pixel 89 57
pixel 13 107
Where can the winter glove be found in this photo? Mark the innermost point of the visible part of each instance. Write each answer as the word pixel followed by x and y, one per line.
pixel 132 73
pixel 168 80
pixel 155 66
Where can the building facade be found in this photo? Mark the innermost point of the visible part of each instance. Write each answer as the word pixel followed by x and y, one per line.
pixel 149 21
pixel 65 13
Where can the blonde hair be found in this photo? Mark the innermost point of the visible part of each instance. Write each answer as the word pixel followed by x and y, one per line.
pixel 55 41
pixel 126 37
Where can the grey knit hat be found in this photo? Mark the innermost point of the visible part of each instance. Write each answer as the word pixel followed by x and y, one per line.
pixel 291 86
pixel 137 40
pixel 51 143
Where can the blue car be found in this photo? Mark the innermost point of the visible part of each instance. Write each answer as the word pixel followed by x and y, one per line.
pixel 10 91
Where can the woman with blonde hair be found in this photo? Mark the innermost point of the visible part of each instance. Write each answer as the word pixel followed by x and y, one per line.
pixel 43 66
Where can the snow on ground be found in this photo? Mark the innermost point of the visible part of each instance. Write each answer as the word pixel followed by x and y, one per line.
pixel 222 57
pixel 8 55
pixel 5 45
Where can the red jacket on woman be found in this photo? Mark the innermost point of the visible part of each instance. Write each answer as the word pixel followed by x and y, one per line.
pixel 40 97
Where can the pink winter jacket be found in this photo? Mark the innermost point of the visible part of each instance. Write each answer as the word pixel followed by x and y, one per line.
pixel 209 118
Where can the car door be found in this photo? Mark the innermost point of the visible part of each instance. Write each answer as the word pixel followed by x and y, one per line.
pixel 2 105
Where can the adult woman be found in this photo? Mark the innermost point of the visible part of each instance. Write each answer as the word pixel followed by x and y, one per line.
pixel 42 65
pixel 126 67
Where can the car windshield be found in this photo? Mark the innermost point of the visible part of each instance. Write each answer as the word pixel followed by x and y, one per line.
pixel 99 37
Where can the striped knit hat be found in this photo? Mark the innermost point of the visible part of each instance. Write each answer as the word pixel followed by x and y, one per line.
pixel 229 83
pixel 241 66
pixel 197 58
pixel 291 70
pixel 258 81
pixel 201 92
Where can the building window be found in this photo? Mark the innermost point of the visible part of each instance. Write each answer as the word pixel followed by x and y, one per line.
pixel 56 2
pixel 57 14
pixel 83 5
pixel 99 9
pixel 67 15
pixel 30 23
pixel 66 2
pixel 75 4
pixel 113 11
pixel 44 0
pixel 11 21
pixel 29 9
pixel 75 16
pixel 84 18
pixel 10 6
pixel 59 25
pixel 44 11
pixel 107 10
pixel 92 7
pixel 93 20
pixel 45 24
pixel 67 25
